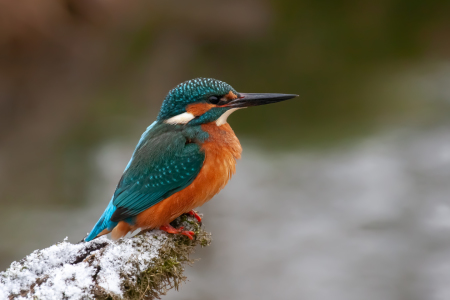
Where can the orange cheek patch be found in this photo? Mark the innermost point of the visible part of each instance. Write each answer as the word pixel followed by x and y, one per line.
pixel 231 95
pixel 199 109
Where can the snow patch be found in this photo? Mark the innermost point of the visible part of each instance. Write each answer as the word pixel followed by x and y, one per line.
pixel 60 272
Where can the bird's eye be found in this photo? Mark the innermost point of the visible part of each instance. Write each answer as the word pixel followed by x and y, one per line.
pixel 214 99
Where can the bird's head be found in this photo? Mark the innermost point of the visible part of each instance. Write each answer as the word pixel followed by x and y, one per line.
pixel 205 100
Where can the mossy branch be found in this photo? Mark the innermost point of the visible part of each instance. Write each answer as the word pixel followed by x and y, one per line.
pixel 142 267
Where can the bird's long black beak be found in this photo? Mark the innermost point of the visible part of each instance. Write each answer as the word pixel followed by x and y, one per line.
pixel 251 99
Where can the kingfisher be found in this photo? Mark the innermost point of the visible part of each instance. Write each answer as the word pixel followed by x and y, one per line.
pixel 182 160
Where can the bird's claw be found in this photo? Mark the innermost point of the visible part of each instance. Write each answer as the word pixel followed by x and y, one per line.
pixel 195 215
pixel 169 229
pixel 189 234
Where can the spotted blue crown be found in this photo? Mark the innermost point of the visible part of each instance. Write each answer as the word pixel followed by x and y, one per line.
pixel 192 91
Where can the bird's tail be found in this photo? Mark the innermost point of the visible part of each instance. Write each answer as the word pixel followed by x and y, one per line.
pixel 103 223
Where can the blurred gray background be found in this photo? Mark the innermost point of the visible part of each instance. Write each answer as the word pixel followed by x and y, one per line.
pixel 342 193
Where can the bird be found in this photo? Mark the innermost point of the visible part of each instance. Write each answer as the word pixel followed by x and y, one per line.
pixel 182 159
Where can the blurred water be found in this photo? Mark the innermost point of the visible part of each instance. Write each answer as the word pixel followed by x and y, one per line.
pixel 368 221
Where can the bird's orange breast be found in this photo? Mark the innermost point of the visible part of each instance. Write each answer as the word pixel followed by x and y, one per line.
pixel 221 151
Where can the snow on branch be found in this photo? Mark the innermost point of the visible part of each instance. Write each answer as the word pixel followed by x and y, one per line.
pixel 142 267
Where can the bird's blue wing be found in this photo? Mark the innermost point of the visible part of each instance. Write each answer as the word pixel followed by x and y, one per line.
pixel 160 167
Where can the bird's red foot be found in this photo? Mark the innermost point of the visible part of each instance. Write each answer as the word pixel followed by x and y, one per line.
pixel 169 229
pixel 195 215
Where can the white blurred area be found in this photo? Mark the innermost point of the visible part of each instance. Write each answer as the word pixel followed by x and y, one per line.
pixel 371 221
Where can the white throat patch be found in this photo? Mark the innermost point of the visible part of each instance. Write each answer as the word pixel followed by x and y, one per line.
pixel 183 118
pixel 223 118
